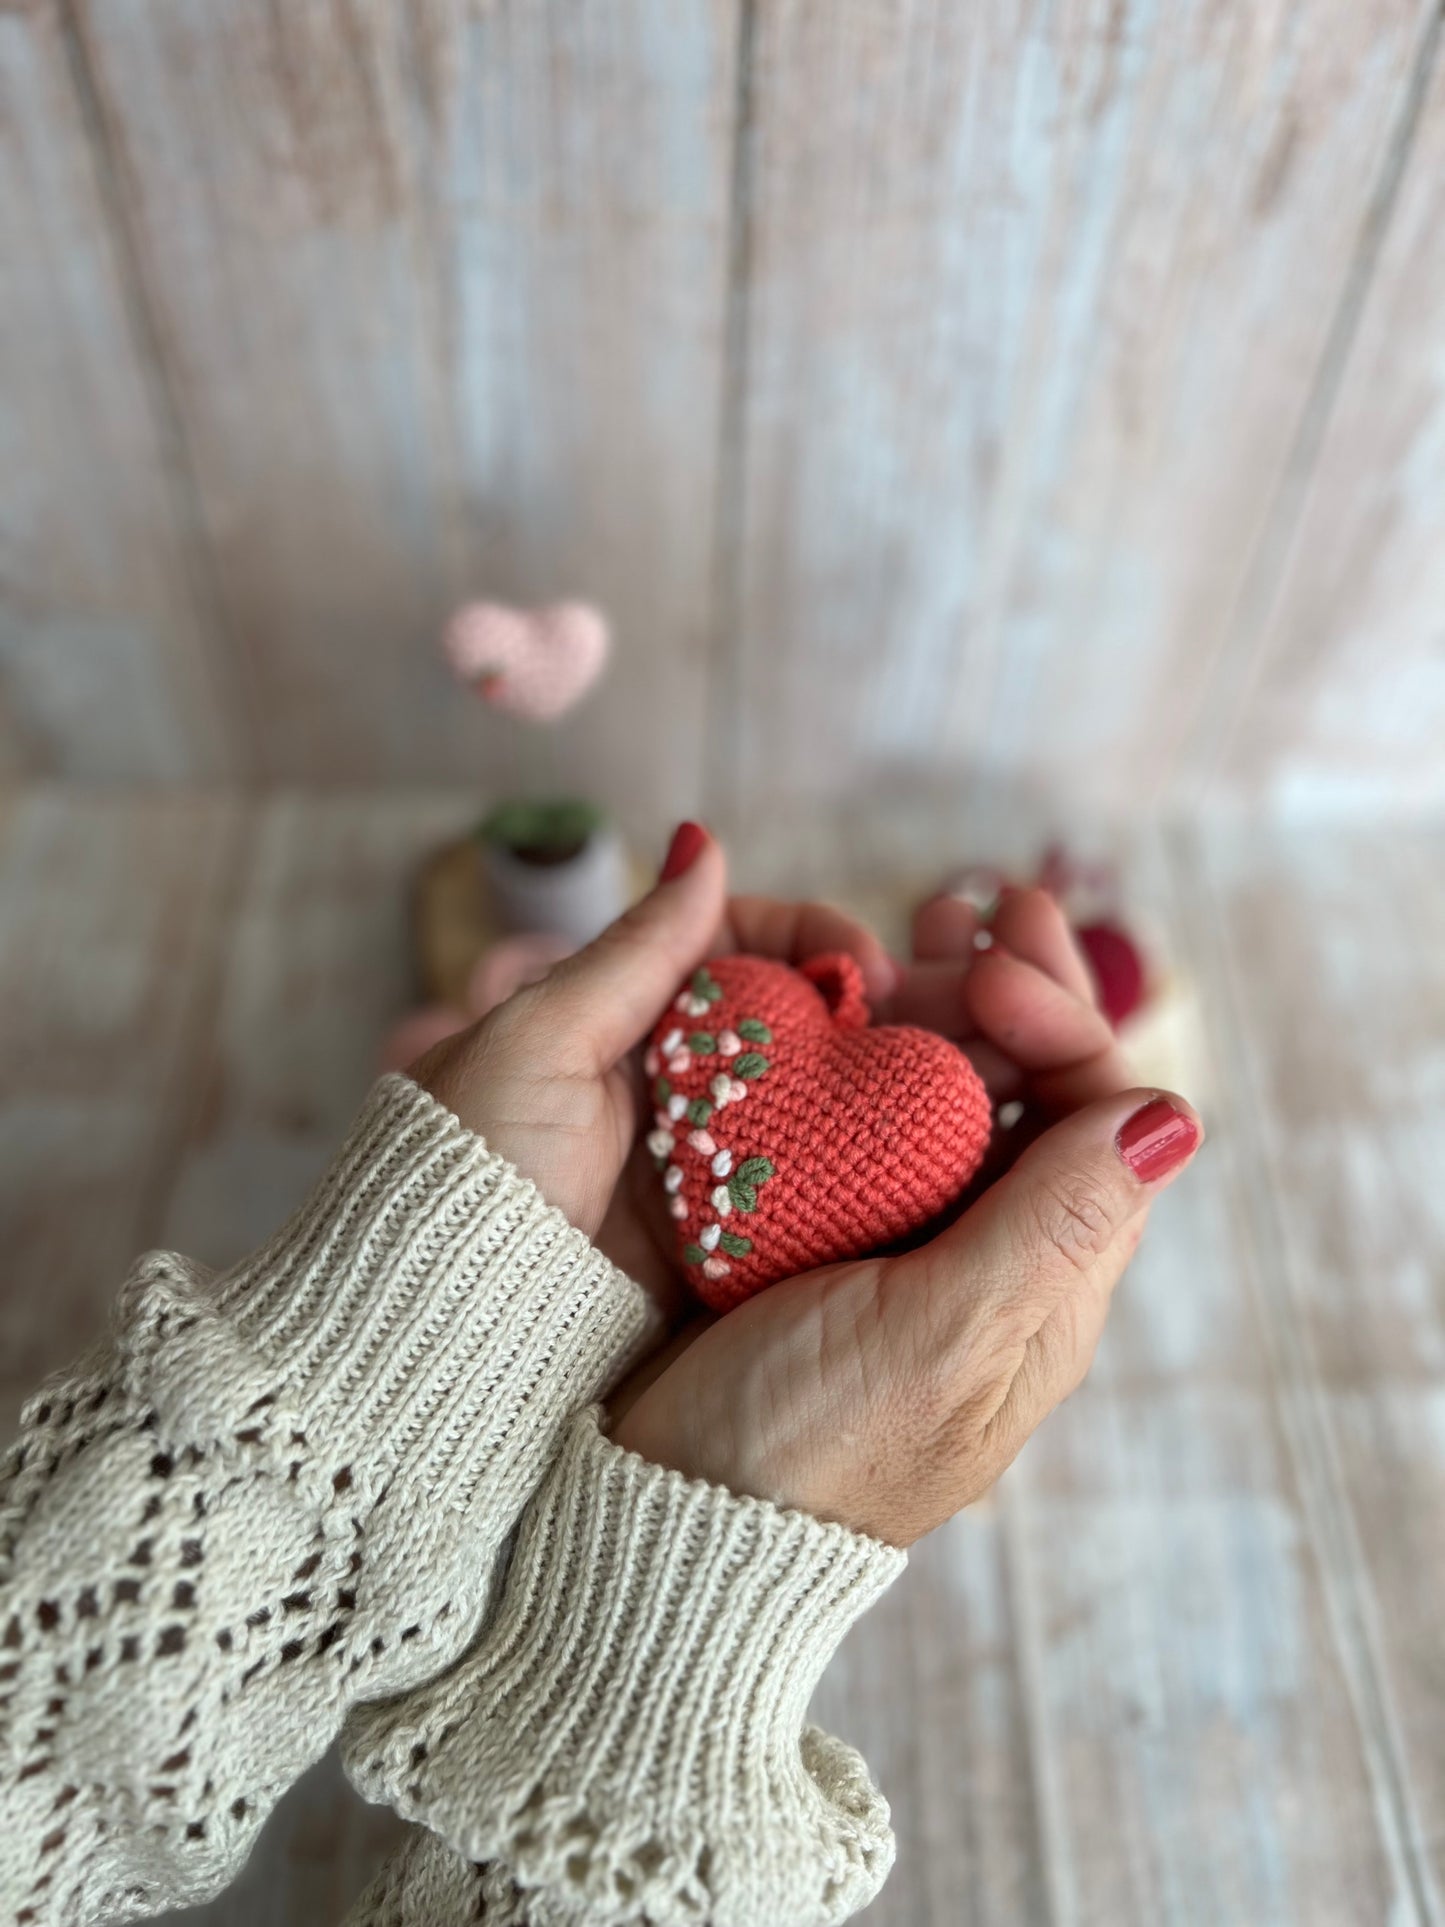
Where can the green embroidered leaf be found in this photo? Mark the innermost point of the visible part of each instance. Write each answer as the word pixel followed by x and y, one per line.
pixel 693 1254
pixel 698 1112
pixel 663 1089
pixel 734 1246
pixel 702 1042
pixel 753 1032
pixel 705 985
pixel 755 1170
pixel 743 1194
pixel 749 1065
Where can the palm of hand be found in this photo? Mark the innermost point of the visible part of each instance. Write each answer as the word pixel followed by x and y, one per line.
pixel 836 1392
pixel 565 1125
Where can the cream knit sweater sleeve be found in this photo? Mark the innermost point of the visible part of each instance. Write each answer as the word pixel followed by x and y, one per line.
pixel 275 1494
pixel 627 1744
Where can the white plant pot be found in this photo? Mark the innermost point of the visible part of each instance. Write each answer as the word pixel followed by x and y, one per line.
pixel 574 900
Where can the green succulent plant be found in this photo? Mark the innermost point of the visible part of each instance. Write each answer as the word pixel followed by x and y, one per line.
pixel 546 829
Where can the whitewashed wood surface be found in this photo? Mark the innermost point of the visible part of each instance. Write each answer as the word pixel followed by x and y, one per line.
pixel 1184 1667
pixel 929 391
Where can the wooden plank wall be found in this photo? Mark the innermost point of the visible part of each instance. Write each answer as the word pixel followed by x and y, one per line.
pixel 111 651
pixel 934 394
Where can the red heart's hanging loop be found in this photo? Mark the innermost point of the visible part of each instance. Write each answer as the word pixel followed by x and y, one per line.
pixel 840 979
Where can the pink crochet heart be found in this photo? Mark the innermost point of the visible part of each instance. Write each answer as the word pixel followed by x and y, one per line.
pixel 530 662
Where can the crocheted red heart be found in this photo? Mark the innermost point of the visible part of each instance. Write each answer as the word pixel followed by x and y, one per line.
pixel 790 1134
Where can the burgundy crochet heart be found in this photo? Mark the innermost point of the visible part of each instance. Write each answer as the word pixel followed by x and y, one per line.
pixel 789 1133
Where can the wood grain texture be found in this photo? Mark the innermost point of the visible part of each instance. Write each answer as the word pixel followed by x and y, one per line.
pixel 111 921
pixel 111 661
pixel 1345 705
pixel 1330 985
pixel 930 1689
pixel 934 396
pixel 1036 299
pixel 319 966
pixel 439 288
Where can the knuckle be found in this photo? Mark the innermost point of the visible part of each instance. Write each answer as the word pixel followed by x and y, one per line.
pixel 633 931
pixel 510 1022
pixel 520 1011
pixel 1074 1220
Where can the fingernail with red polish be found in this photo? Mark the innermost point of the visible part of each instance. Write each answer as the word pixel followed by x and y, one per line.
pixel 1156 1140
pixel 683 851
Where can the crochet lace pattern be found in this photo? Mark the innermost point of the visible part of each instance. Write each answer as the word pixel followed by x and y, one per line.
pixel 274 1494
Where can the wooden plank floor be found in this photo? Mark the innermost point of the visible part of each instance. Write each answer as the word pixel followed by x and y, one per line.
pixel 1184 1665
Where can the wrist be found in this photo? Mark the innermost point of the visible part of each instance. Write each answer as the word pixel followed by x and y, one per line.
pixel 399 1361
pixel 734 1442
pixel 636 1708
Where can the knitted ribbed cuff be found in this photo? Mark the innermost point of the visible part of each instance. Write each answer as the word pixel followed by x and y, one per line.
pixel 424 1317
pixel 629 1736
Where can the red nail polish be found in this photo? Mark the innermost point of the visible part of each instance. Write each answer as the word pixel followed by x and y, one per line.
pixel 683 851
pixel 1156 1140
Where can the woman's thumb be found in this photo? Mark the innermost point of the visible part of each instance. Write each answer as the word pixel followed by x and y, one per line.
pixel 606 998
pixel 1072 1206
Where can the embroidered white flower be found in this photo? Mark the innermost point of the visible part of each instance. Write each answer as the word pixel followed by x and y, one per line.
pixel 660 1143
pixel 692 1006
pixel 677 1107
pixel 715 1267
pixel 721 1200
pixel 721 1088
pixel 672 1178
pixel 672 1041
pixel 721 1164
pixel 709 1235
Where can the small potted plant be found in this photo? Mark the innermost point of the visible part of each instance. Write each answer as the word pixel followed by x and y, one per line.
pixel 553 865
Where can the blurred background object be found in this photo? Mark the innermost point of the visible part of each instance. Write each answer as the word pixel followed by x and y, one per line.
pixel 982 426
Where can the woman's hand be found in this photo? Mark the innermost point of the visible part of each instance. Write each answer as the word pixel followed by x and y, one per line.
pixel 550 1078
pixel 1024 1009
pixel 890 1392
